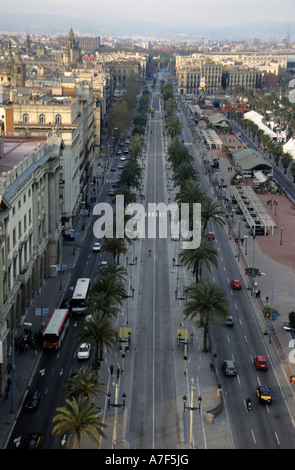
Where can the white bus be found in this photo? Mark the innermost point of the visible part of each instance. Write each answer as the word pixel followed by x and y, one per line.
pixel 80 295
pixel 56 328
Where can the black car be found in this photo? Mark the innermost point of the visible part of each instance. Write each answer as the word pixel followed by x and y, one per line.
pixel 33 440
pixel 258 231
pixel 32 400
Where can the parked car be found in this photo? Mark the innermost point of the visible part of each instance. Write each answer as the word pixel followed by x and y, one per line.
pixel 111 192
pixel 84 351
pixel 96 247
pixel 259 231
pixel 229 367
pixel 236 284
pixel 32 399
pixel 264 394
pixel 211 235
pixel 260 362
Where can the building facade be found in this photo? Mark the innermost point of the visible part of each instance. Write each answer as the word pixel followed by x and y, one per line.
pixel 30 229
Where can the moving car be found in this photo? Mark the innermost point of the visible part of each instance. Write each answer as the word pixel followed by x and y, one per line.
pixel 229 320
pixel 120 166
pixel 32 440
pixel 111 192
pixel 236 284
pixel 84 351
pixel 103 265
pixel 32 400
pixel 229 367
pixel 260 362
pixel 113 168
pixel 211 235
pixel 263 394
pixel 123 158
pixel 96 247
pixel 288 327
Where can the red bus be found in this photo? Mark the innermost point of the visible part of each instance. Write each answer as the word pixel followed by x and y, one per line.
pixel 56 329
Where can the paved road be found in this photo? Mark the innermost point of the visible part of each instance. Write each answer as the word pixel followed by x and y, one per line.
pixel 153 421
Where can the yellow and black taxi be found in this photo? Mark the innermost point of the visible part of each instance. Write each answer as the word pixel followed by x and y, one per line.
pixel 264 394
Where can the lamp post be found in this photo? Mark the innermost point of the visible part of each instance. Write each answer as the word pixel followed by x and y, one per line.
pixel 252 282
pixel 13 365
pixel 271 304
pixel 246 238
pixel 191 408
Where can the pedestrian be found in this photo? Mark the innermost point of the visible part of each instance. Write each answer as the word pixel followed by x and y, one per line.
pixel 111 369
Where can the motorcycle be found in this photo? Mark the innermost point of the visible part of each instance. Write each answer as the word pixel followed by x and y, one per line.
pixel 248 404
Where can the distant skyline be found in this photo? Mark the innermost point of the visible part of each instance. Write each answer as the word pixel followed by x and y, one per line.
pixel 242 19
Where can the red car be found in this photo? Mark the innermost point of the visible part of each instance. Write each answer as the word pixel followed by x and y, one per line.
pixel 260 362
pixel 211 235
pixel 236 284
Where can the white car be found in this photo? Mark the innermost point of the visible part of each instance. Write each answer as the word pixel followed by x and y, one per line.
pixel 84 351
pixel 96 247
pixel 123 158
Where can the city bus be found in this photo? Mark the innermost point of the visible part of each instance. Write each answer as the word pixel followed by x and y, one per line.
pixel 56 328
pixel 80 295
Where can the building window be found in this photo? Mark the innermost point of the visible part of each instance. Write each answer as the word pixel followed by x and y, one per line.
pixel 58 119
pixel 41 119
pixel 25 118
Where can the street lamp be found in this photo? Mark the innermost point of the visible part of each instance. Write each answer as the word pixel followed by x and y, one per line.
pixel 191 408
pixel 13 365
pixel 271 304
pixel 246 238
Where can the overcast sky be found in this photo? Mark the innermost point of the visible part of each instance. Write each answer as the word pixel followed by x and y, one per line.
pixel 166 12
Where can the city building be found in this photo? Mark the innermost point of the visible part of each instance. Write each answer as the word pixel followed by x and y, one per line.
pixel 69 112
pixel 30 227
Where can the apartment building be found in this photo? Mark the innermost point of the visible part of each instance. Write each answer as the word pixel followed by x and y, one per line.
pixel 204 74
pixel 247 70
pixel 30 227
pixel 69 112
pixel 246 77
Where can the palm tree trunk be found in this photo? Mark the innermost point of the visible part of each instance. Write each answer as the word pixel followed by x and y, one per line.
pixel 205 347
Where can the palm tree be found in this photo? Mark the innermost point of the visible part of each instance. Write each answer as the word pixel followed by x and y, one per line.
pixel 211 212
pixel 173 126
pixel 115 246
pixel 190 192
pixel 85 382
pixel 113 271
pixel 207 302
pixel 98 330
pixel 286 159
pixel 81 419
pixel 131 175
pixel 206 254
pixel 184 172
pixel 102 301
